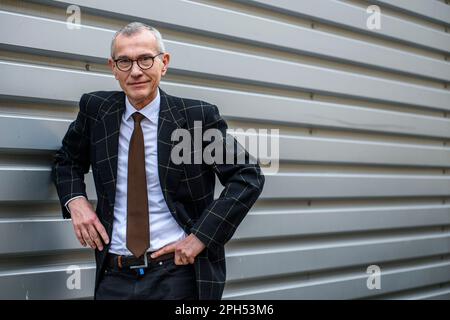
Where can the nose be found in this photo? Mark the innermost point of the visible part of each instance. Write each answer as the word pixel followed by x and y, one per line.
pixel 135 70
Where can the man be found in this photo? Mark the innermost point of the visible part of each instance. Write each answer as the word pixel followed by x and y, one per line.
pixel 157 231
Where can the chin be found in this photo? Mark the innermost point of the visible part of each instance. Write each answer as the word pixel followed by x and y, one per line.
pixel 138 94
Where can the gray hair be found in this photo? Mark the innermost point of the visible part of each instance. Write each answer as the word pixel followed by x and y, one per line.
pixel 133 28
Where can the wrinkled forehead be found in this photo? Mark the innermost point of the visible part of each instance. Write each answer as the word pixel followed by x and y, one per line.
pixel 142 42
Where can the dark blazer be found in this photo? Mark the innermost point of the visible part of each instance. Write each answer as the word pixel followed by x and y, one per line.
pixel 92 140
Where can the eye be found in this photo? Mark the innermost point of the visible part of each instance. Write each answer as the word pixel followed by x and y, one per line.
pixel 146 59
pixel 146 62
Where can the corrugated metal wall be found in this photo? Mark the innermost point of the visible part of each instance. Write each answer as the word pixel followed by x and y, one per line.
pixel 363 117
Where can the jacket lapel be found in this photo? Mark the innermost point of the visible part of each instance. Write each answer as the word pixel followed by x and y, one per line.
pixel 170 119
pixel 106 135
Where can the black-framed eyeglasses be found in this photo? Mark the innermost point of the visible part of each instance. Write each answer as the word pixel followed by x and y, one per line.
pixel 144 62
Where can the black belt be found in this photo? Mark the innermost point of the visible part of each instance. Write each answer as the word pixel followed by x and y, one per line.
pixel 115 261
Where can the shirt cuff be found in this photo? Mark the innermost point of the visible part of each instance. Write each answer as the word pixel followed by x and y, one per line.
pixel 66 205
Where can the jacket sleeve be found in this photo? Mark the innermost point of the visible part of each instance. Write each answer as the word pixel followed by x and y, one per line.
pixel 243 184
pixel 71 162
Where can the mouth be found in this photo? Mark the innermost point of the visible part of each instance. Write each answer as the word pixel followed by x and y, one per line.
pixel 136 84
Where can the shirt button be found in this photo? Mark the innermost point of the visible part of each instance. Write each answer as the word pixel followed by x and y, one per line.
pixel 160 263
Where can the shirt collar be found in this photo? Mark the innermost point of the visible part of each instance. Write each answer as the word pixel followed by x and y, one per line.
pixel 150 111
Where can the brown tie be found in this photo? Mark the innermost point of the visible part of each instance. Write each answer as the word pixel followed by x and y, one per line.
pixel 138 233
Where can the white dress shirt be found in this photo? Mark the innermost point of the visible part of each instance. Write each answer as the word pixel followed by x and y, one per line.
pixel 163 227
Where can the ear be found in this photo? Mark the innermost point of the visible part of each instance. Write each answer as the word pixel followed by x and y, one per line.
pixel 112 65
pixel 165 61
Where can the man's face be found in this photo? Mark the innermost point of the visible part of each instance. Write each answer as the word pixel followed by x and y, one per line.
pixel 139 85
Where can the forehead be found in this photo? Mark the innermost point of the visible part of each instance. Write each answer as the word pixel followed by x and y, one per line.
pixel 139 43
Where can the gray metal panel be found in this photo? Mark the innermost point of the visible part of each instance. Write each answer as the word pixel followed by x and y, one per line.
pixel 363 174
pixel 19 132
pixel 301 222
pixel 301 112
pixel 37 236
pixel 33 184
pixel 347 15
pixel 300 256
pixel 54 84
pixel 309 149
pixel 259 107
pixel 240 67
pixel 433 10
pixel 331 287
pixel 337 185
pixel 46 283
pixel 434 292
pixel 284 36
pixel 54 234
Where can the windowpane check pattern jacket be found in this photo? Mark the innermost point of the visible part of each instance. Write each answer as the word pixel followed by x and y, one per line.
pixel 188 188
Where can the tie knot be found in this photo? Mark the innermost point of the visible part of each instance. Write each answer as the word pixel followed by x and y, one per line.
pixel 137 117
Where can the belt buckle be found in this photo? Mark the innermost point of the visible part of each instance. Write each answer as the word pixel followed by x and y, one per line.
pixel 145 265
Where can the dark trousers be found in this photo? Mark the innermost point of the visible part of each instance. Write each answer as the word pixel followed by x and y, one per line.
pixel 164 281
